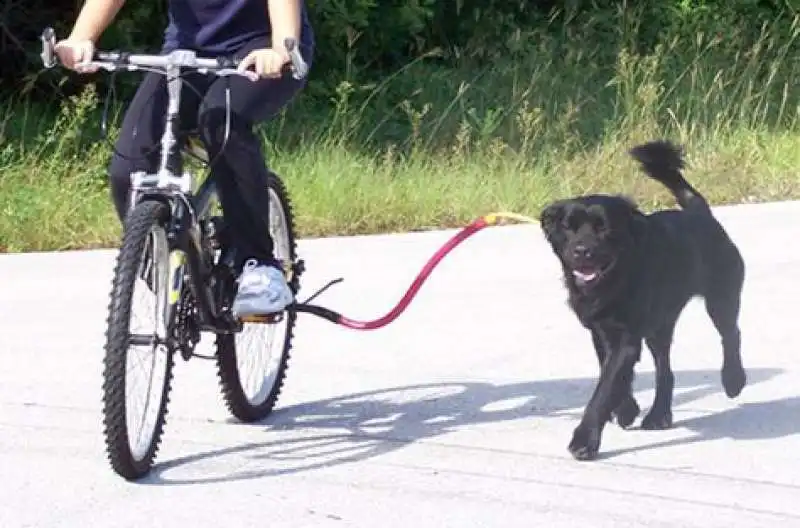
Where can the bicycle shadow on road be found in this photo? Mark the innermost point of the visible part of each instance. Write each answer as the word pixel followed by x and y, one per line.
pixel 366 425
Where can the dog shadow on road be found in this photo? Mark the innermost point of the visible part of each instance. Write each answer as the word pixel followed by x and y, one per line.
pixel 746 421
pixel 360 426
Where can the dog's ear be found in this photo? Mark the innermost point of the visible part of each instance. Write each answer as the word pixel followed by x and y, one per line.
pixel 637 222
pixel 550 219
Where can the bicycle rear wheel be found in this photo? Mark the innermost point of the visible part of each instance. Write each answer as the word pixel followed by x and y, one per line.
pixel 134 409
pixel 252 363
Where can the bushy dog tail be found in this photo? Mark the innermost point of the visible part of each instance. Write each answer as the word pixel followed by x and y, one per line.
pixel 663 161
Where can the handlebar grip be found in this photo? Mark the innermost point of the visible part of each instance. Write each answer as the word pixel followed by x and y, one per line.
pixel 48 54
pixel 110 56
pixel 299 66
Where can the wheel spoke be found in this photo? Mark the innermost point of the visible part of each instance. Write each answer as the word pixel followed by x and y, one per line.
pixel 144 396
pixel 137 365
pixel 254 345
pixel 252 362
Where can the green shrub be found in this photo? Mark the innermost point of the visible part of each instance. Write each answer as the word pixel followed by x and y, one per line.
pixel 366 38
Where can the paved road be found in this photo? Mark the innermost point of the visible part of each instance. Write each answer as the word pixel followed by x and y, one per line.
pixel 457 415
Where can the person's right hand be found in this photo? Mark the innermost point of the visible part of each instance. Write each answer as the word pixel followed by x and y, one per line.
pixel 72 52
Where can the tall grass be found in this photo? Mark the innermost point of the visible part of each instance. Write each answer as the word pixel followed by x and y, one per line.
pixel 438 142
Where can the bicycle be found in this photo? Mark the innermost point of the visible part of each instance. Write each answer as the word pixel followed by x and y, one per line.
pixel 175 247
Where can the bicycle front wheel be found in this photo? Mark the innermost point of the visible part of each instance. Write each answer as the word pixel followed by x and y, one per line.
pixel 252 363
pixel 138 366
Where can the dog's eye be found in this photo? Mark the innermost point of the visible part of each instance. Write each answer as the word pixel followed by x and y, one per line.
pixel 599 224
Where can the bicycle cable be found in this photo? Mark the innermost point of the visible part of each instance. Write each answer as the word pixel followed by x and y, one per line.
pixel 111 93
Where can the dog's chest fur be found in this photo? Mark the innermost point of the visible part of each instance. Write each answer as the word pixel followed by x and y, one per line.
pixel 652 282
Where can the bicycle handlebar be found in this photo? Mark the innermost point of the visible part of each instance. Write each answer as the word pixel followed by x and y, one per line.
pixel 178 58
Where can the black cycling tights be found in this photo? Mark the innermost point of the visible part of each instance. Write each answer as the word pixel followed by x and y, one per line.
pixel 240 170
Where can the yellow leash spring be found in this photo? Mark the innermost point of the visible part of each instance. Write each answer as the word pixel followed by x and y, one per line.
pixel 494 218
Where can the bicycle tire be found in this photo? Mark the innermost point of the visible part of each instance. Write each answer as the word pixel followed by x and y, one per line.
pixel 233 392
pixel 138 226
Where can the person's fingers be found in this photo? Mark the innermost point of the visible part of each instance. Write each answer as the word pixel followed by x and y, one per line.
pixel 276 63
pixel 246 62
pixel 86 54
pixel 265 63
pixel 72 54
pixel 258 61
pixel 273 64
pixel 66 54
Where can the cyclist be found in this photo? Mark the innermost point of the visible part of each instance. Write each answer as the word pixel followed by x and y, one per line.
pixel 252 30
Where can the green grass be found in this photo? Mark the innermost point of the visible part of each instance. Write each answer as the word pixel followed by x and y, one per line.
pixel 435 145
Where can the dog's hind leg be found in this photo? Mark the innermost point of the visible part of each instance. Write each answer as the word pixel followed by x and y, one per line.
pixel 660 343
pixel 723 308
pixel 628 409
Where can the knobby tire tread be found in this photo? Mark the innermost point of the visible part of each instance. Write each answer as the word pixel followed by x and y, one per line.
pixel 232 392
pixel 137 227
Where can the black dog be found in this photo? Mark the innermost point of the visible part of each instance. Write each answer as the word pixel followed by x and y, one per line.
pixel 629 276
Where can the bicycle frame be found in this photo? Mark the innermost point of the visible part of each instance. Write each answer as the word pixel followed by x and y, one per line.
pixel 188 208
pixel 170 184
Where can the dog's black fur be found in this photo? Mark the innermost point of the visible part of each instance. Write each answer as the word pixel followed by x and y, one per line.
pixel 629 276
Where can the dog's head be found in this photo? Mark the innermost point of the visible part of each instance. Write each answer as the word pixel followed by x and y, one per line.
pixel 591 234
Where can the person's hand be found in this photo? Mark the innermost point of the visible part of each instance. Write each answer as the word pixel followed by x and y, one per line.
pixel 266 62
pixel 72 53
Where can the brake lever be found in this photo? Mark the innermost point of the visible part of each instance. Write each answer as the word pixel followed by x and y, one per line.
pixel 227 72
pixel 48 54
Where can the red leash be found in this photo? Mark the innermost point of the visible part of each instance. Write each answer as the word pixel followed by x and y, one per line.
pixel 400 307
pixel 423 275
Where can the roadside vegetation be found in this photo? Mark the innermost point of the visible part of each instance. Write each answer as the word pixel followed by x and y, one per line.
pixel 438 137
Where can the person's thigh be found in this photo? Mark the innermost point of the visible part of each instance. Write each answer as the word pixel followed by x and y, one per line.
pixel 138 146
pixel 237 159
pixel 251 101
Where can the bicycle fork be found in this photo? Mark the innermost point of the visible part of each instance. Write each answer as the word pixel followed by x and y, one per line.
pixel 175 276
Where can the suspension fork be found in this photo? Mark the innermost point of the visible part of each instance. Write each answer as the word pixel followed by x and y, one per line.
pixel 170 173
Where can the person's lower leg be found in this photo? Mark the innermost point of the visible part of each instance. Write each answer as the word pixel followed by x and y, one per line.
pixel 242 181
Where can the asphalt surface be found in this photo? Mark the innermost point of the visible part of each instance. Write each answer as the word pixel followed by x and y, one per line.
pixel 456 415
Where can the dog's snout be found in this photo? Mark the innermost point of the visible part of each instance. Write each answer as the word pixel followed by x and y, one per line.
pixel 582 251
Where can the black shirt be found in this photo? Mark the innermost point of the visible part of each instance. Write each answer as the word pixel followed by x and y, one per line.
pixel 221 27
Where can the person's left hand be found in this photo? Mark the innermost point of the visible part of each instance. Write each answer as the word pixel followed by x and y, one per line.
pixel 266 62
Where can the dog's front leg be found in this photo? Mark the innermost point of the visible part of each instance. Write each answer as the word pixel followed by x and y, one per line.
pixel 627 409
pixel 615 376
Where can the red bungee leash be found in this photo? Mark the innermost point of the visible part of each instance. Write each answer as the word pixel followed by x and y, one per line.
pixel 400 307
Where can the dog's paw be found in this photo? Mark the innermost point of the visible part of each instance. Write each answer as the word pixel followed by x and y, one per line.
pixel 626 412
pixel 657 420
pixel 733 380
pixel 585 443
